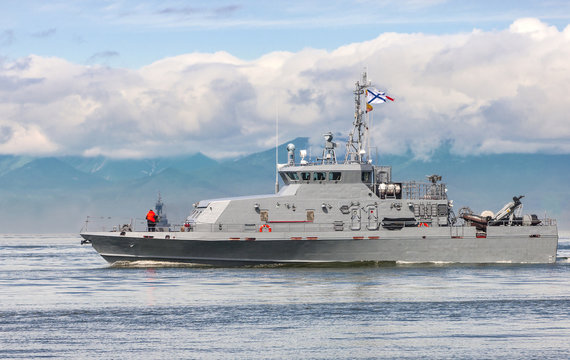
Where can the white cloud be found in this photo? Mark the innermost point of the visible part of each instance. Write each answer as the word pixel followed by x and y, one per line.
pixel 534 27
pixel 498 91
pixel 17 139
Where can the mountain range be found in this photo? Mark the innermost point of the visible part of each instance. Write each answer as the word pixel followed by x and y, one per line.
pixel 56 194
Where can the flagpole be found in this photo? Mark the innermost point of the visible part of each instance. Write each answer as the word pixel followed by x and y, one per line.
pixel 369 135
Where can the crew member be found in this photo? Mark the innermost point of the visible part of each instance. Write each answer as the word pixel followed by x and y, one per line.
pixel 151 220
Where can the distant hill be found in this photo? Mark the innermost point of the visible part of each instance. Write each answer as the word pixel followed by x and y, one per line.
pixel 56 194
pixel 11 162
pixel 47 174
pixel 128 169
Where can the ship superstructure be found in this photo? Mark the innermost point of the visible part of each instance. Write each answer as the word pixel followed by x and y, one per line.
pixel 162 223
pixel 349 211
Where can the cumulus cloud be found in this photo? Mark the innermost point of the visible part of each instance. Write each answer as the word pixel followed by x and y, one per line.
pixel 482 92
pixel 15 137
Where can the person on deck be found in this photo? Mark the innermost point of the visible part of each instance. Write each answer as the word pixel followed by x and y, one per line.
pixel 151 220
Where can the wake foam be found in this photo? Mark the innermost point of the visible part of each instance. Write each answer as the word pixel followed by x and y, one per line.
pixel 143 264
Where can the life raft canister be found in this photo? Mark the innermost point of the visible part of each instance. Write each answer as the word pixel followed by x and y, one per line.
pixel 423 224
pixel 265 226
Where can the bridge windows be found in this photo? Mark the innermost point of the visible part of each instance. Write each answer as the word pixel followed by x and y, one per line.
pixel 292 176
pixel 315 176
pixel 319 176
pixel 334 176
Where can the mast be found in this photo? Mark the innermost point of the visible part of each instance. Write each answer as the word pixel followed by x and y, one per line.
pixel 276 148
pixel 159 204
pixel 355 152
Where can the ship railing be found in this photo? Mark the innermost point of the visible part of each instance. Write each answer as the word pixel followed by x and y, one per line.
pixel 413 190
pixel 119 224
pixel 105 224
pixel 521 222
pixel 301 227
pixel 114 224
pixel 548 222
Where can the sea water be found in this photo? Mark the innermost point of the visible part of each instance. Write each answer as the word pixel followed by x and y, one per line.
pixel 59 299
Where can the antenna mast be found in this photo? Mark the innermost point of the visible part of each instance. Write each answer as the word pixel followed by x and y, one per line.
pixel 276 148
pixel 355 152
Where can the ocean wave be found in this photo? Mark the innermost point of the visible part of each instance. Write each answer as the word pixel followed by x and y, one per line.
pixel 143 264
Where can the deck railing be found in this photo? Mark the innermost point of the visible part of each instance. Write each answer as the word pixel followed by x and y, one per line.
pixel 104 224
pixel 423 191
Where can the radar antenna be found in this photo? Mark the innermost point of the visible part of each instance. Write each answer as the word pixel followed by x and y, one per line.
pixel 329 155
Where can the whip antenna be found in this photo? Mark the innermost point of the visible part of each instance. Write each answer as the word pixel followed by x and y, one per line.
pixel 276 147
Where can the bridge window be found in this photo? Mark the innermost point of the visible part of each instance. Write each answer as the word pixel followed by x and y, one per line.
pixel 334 176
pixel 318 176
pixel 306 176
pixel 293 176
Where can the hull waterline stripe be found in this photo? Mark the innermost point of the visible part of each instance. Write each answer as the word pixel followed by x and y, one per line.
pixel 288 221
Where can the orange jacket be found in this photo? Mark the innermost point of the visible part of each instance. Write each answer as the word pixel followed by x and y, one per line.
pixel 151 216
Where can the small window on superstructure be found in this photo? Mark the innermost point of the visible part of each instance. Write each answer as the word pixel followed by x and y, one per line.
pixel 318 176
pixel 293 176
pixel 366 176
pixel 334 176
pixel 306 176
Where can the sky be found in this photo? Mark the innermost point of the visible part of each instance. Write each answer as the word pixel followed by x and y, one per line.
pixel 132 79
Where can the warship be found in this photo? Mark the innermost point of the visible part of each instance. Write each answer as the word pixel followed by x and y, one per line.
pixel 162 222
pixel 339 211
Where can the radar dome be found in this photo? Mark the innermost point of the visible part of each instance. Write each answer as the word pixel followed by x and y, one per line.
pixel 291 147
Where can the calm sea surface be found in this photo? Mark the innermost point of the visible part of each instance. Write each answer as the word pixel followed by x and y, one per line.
pixel 59 299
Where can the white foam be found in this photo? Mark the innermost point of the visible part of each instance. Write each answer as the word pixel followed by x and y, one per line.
pixel 154 264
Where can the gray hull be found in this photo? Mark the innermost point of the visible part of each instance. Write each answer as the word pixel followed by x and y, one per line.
pixel 413 246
